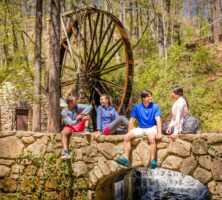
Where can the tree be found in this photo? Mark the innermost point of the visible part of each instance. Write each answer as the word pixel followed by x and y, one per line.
pixel 54 71
pixel 160 28
pixel 36 126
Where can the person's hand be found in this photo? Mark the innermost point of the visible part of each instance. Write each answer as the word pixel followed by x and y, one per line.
pixel 86 117
pixel 173 137
pixel 98 134
pixel 79 117
pixel 168 131
pixel 159 136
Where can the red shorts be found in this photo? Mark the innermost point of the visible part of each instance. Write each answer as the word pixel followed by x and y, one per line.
pixel 78 127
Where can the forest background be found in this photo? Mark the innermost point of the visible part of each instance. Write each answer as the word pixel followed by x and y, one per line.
pixel 175 42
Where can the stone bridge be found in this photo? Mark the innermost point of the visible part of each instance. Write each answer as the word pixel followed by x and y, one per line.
pixel 199 156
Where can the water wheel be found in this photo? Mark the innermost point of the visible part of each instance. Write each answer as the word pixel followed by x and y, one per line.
pixel 96 57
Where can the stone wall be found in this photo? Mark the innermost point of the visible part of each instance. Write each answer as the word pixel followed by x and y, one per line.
pixel 197 155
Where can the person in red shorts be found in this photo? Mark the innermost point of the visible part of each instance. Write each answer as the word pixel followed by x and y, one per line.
pixel 76 118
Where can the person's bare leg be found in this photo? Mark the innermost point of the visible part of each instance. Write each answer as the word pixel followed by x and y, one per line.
pixel 127 144
pixel 152 143
pixel 64 134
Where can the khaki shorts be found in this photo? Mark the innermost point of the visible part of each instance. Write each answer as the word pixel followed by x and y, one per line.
pixel 138 132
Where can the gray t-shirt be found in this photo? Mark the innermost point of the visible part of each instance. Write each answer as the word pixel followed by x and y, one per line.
pixel 70 115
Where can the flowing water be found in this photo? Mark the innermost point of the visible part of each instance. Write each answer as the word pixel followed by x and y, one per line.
pixel 163 184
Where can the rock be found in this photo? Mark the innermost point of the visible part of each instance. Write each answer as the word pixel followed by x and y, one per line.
pixel 17 169
pixel 142 150
pixel 97 172
pixel 188 165
pixel 6 134
pixel 205 162
pixel 172 162
pixel 8 185
pixel 212 187
pixel 4 171
pixel 113 166
pixel 57 137
pixel 6 144
pixel 6 162
pixel 28 140
pixel 180 148
pixel 103 167
pixel 79 168
pixel 36 148
pixel 202 175
pixel 161 155
pixel 199 147
pixel 214 138
pixel 109 150
pixel 114 138
pixel 93 177
pixel 162 145
pixel 216 170
pixel 76 139
pixel 31 170
pixel 219 188
pixel 188 137
pixel 215 151
pixel 50 184
pixel 136 161
pixel 44 140
pixel 78 154
pixel 120 148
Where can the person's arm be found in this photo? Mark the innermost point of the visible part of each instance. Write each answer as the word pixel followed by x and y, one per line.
pixel 67 120
pixel 85 108
pixel 131 123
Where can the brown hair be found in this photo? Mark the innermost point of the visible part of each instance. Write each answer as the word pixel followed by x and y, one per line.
pixel 69 99
pixel 179 91
pixel 106 96
pixel 145 93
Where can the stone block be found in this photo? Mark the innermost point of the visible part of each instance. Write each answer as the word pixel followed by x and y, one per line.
pixel 7 133
pixel 216 169
pixel 200 147
pixel 215 138
pixel 162 145
pixel 17 169
pixel 36 148
pixel 109 150
pixel 142 150
pixel 28 139
pixel 103 167
pixel 215 150
pixel 6 162
pixel 93 177
pixel 79 168
pixel 161 155
pixel 135 159
pixel 51 184
pixel 180 148
pixel 6 144
pixel 202 175
pixel 205 162
pixel 97 172
pixel 172 162
pixel 113 166
pixel 4 171
pixel 188 165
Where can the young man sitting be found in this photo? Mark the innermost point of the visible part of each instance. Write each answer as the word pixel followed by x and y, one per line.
pixel 76 118
pixel 149 120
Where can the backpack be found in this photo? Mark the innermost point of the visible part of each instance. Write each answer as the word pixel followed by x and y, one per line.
pixel 190 125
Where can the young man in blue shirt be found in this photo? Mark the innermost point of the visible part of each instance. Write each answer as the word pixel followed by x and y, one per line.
pixel 149 123
pixel 76 118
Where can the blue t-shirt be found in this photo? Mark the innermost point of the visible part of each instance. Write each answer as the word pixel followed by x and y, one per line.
pixel 105 116
pixel 146 115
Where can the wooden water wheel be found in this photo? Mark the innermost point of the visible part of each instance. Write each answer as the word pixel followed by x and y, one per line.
pixel 96 57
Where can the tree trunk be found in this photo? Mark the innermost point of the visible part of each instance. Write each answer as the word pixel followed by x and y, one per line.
pixel 131 17
pixel 160 28
pixel 215 24
pixel 153 20
pixel 137 20
pixel 36 125
pixel 169 24
pixel 123 13
pixel 54 73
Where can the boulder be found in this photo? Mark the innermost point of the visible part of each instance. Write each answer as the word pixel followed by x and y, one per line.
pixel 4 171
pixel 79 168
pixel 216 169
pixel 142 150
pixel 172 162
pixel 109 150
pixel 199 147
pixel 202 175
pixel 180 148
pixel 188 165
pixel 6 144
pixel 205 162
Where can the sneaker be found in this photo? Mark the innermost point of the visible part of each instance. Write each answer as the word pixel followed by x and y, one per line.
pixel 122 161
pixel 66 156
pixel 153 164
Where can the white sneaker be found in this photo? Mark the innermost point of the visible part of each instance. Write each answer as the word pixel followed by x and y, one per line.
pixel 66 156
